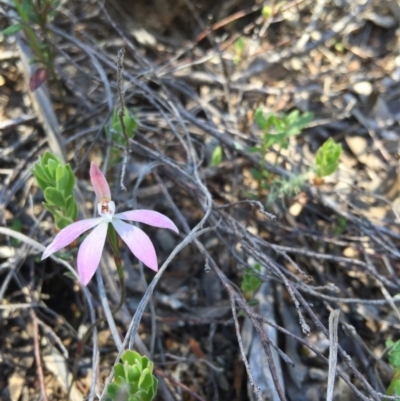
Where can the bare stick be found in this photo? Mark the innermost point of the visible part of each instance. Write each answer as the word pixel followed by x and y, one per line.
pixel 333 346
pixel 121 113
pixel 38 360
pixel 256 389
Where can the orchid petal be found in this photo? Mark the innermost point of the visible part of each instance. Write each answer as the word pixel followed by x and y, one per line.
pixel 90 251
pixel 149 217
pixel 99 182
pixel 138 242
pixel 69 234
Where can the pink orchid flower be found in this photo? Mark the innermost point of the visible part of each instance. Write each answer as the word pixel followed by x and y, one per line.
pixel 90 251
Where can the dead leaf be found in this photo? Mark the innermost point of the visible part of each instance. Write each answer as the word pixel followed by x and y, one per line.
pixel 196 348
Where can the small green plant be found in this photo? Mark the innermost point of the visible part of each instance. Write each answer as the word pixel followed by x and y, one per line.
pixel 117 135
pixel 57 181
pixel 239 50
pixel 216 156
pixel 327 158
pixel 36 13
pixel 133 379
pixel 250 282
pixel 276 131
pixel 341 225
pixel 266 12
pixel 394 361
pixel 16 225
pixel 284 187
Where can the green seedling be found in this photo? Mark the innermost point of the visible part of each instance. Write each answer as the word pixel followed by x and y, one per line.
pixel 327 158
pixel 216 157
pixel 133 379
pixel 36 13
pixel 266 12
pixel 277 130
pixel 394 361
pixel 57 182
pixel 16 225
pixel 116 135
pixel 286 187
pixel 341 225
pixel 239 49
pixel 250 282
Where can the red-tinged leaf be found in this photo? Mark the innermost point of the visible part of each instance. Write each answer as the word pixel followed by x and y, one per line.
pixel 37 79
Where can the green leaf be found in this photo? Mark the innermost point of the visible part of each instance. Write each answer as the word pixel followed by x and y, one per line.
pixel 266 11
pixel 131 357
pixel 113 391
pixel 216 157
pixel 279 123
pixel 254 149
pixel 339 47
pixel 146 379
pixel 284 143
pixel 71 181
pixel 251 282
pixel 297 122
pixel 40 172
pixel 130 123
pixel 51 168
pixel 115 120
pixel 147 363
pixel 70 275
pixel 255 174
pixel 47 157
pixel 155 386
pixel 149 394
pixel 26 9
pixel 74 214
pixel 396 387
pixel 394 356
pixel 42 184
pixel 119 371
pixel 293 116
pixel 306 118
pixel 12 30
pixel 272 139
pixel 54 197
pixel 51 209
pixel 327 158
pixel 239 45
pixel 131 382
pixel 70 207
pixel 132 373
pixel 16 225
pixel 62 222
pixel 62 178
pixel 261 120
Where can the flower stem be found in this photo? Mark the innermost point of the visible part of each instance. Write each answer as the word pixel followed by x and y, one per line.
pixel 113 241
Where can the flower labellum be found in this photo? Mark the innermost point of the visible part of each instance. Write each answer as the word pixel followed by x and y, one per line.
pixel 90 251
